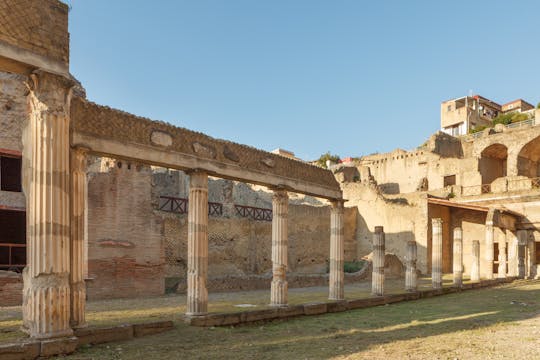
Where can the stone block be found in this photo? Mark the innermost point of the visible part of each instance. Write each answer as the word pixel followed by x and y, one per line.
pixel 258 315
pixel 60 346
pixel 291 311
pixel 315 308
pixel 104 335
pixel 337 306
pixel 151 328
pixel 359 303
pixel 196 320
pixel 20 351
pixel 389 299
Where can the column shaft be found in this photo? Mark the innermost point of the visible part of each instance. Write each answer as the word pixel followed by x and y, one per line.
pixel 475 265
pixel 531 257
pixel 501 272
pixel 377 277
pixel 197 293
pixel 458 257
pixel 280 209
pixel 513 250
pixel 46 293
pixel 336 279
pixel 411 278
pixel 436 253
pixel 78 218
pixel 489 250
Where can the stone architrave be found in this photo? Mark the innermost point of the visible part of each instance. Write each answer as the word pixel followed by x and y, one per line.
pixel 46 182
pixel 336 278
pixel 436 253
pixel 513 250
pixel 458 257
pixel 197 292
pixel 475 264
pixel 411 277
pixel 78 218
pixel 501 271
pixel 377 277
pixel 279 286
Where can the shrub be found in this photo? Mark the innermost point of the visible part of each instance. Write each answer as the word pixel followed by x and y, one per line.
pixel 353 266
pixel 519 117
pixel 322 159
pixel 504 119
pixel 477 129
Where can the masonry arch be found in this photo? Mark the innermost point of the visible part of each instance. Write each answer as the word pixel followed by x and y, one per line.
pixel 528 161
pixel 492 164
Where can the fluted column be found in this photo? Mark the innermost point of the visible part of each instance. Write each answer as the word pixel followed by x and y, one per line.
pixel 46 181
pixel 501 272
pixel 458 257
pixel 197 293
pixel 377 277
pixel 531 257
pixel 489 250
pixel 411 278
pixel 436 253
pixel 280 210
pixel 475 265
pixel 336 280
pixel 78 218
pixel 513 249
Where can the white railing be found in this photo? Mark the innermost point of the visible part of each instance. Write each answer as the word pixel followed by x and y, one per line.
pixel 519 124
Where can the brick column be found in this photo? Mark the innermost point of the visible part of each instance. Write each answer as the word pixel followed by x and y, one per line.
pixel 475 265
pixel 377 277
pixel 489 250
pixel 513 249
pixel 46 294
pixel 501 272
pixel 197 293
pixel 458 257
pixel 436 253
pixel 78 218
pixel 336 279
pixel 280 210
pixel 411 278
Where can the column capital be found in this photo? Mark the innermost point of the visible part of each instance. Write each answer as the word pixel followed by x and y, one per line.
pixel 280 195
pixel 437 221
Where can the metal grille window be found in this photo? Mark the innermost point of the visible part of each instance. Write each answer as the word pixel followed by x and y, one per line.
pixel 12 240
pixel 10 173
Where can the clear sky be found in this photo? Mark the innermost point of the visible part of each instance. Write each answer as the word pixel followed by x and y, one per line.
pixel 310 76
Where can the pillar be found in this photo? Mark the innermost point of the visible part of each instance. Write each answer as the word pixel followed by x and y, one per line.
pixel 336 281
pixel 78 218
pixel 488 252
pixel 513 249
pixel 475 265
pixel 436 253
pixel 522 250
pixel 280 209
pixel 197 267
pixel 377 278
pixel 46 181
pixel 501 272
pixel 531 257
pixel 411 280
pixel 458 257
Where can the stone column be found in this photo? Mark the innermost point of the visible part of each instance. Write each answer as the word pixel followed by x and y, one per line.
pixel 197 293
pixel 522 247
pixel 436 253
pixel 488 252
pixel 336 286
pixel 475 266
pixel 501 272
pixel 531 256
pixel 78 218
pixel 377 277
pixel 46 181
pixel 513 249
pixel 458 257
pixel 280 210
pixel 411 280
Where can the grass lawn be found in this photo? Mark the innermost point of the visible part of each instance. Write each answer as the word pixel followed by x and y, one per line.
pixel 497 323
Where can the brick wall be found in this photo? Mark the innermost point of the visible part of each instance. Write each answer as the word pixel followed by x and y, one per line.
pixel 11 287
pixel 40 26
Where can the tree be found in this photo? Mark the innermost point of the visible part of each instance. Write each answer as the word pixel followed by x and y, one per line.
pixel 327 156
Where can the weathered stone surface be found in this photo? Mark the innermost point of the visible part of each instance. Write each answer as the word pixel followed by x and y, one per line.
pixel 151 328
pixel 229 154
pixel 291 311
pixel 20 351
pixel 161 138
pixel 104 334
pixel 337 306
pixel 204 150
pixel 268 162
pixel 61 346
pixel 257 315
pixel 315 308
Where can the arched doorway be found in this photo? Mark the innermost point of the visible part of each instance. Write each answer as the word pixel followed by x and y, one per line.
pixel 492 164
pixel 529 159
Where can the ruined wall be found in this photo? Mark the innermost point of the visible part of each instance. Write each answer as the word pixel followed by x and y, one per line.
pixel 39 26
pixel 473 226
pixel 404 218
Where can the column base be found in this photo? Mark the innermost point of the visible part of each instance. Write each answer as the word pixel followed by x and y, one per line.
pixel 278 295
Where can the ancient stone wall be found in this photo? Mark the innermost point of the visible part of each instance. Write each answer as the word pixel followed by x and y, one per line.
pixel 39 26
pixel 11 286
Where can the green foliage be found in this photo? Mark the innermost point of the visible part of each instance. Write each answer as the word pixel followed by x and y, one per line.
pixel 477 129
pixel 327 156
pixel 451 194
pixel 538 105
pixel 353 266
pixel 510 118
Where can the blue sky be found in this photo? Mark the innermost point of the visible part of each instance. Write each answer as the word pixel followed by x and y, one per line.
pixel 349 77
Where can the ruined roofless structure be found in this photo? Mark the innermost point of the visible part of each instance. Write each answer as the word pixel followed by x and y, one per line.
pixel 63 129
